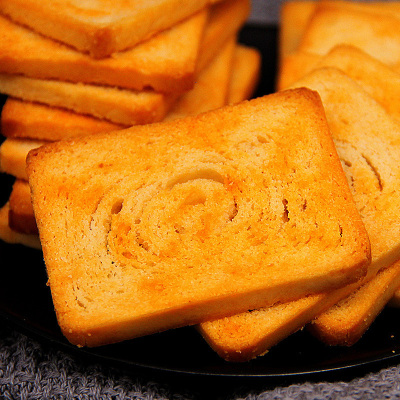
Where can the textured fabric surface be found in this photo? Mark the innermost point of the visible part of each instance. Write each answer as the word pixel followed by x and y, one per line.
pixel 31 370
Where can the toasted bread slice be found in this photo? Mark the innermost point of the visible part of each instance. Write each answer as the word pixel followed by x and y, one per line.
pixel 212 86
pixel 346 322
pixel 226 19
pixel 296 14
pixel 12 237
pixel 376 78
pixel 13 153
pixel 251 334
pixel 245 74
pixel 121 106
pixel 100 28
pixel 22 219
pixel 367 139
pixel 21 119
pixel 168 62
pixel 294 17
pixel 26 120
pixel 165 63
pixel 368 143
pixel 373 32
pixel 221 190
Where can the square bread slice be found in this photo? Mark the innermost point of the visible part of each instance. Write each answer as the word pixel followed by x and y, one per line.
pixel 175 223
pixel 346 322
pixel 165 63
pixel 375 33
pixel 296 14
pixel 368 143
pixel 168 62
pixel 22 119
pixel 376 78
pixel 12 237
pixel 13 153
pixel 102 27
pixel 121 106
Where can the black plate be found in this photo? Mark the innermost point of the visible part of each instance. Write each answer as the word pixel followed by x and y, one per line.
pixel 25 302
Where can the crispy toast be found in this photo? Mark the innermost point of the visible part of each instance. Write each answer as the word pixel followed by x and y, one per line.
pixel 121 106
pixel 368 143
pixel 373 32
pixel 376 78
pixel 12 237
pixel 165 63
pixel 21 119
pixel 102 27
pixel 168 62
pixel 220 189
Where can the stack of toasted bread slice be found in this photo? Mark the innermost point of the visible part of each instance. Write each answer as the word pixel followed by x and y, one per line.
pixel 68 87
pixel 248 219
pixel 347 53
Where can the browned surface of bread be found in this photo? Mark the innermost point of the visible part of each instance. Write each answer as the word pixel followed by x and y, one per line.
pixel 20 216
pixel 12 237
pixel 166 63
pixel 100 27
pixel 374 33
pixel 251 334
pixel 211 88
pixel 225 21
pixel 229 191
pixel 21 119
pixel 120 106
pixel 375 138
pixel 26 120
pixel 346 322
pixel 367 139
pixel 245 74
pixel 13 154
pixel 376 78
pixel 294 17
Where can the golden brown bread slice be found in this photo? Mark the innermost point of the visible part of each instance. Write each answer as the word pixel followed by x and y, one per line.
pixel 296 14
pixel 222 191
pixel 376 78
pixel 368 143
pixel 12 237
pixel 211 88
pixel 20 216
pixel 26 120
pixel 245 336
pixel 100 27
pixel 294 17
pixel 373 32
pixel 13 154
pixel 367 139
pixel 168 62
pixel 165 63
pixel 21 119
pixel 346 322
pixel 121 106
pixel 245 74
pixel 225 20
pixel 13 151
